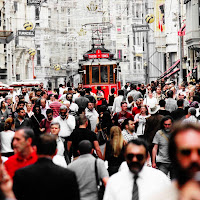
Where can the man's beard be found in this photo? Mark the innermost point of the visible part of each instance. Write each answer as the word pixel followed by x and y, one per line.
pixel 167 130
pixel 184 175
pixel 135 167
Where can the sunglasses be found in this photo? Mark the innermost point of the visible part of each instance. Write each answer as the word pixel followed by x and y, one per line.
pixel 187 152
pixel 139 157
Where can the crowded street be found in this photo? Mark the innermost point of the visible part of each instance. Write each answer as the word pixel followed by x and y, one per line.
pixel 100 100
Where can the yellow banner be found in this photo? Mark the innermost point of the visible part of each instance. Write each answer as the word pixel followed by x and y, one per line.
pixel 160 15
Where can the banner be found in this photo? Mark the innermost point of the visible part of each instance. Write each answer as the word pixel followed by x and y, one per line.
pixel 160 15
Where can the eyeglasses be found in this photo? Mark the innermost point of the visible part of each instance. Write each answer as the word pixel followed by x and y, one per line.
pixel 139 157
pixel 187 152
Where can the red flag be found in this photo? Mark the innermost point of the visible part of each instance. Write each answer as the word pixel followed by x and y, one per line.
pixel 160 25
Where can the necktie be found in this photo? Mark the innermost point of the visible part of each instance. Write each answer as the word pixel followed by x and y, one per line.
pixel 135 189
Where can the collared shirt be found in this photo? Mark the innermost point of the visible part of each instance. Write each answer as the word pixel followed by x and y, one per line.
pixel 120 185
pixel 117 104
pixel 66 125
pixel 86 175
pixel 43 110
pixel 16 162
pixel 93 116
pixel 127 136
pixel 60 146
pixel 191 119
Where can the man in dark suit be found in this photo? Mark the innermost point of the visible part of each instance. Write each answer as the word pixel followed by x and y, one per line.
pixel 44 180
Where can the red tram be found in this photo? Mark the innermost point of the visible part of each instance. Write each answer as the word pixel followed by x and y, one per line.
pixel 99 68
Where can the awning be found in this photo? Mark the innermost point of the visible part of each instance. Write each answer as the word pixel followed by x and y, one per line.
pixel 191 72
pixel 172 73
pixel 6 37
pixel 170 69
pixel 182 30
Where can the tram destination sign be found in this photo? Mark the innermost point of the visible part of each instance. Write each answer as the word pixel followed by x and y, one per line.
pixel 26 33
pixel 33 2
pixel 98 54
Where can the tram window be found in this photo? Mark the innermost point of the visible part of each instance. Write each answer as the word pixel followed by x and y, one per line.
pixel 87 74
pixel 111 74
pixel 104 74
pixel 95 74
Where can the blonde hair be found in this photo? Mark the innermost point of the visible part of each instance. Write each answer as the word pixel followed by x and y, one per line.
pixel 116 140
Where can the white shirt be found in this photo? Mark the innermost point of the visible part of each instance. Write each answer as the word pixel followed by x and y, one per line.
pixel 6 139
pixel 141 123
pixel 120 185
pixel 93 117
pixel 43 110
pixel 117 104
pixel 66 125
pixel 149 101
pixel 73 107
pixel 75 96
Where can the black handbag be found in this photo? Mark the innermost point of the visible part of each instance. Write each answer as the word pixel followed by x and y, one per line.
pixel 102 135
pixel 100 185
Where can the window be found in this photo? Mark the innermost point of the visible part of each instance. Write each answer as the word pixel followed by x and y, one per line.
pixel 104 74
pixel 37 13
pixel 38 57
pixel 15 6
pixel 199 12
pixel 111 74
pixel 95 74
pixel 87 75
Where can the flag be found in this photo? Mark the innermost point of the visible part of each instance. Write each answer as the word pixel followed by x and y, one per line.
pixel 160 25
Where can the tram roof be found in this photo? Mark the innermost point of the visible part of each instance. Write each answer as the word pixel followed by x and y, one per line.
pixel 103 50
pixel 99 62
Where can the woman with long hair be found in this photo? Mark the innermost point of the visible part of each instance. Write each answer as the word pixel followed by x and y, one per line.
pixel 3 112
pixel 6 138
pixel 36 118
pixel 114 149
pixel 140 120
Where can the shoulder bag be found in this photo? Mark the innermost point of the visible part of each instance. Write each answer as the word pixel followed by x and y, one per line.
pixel 100 185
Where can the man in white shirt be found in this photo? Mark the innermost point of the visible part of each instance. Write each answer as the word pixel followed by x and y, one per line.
pixel 139 181
pixel 59 158
pixel 43 107
pixel 117 102
pixel 67 122
pixel 92 115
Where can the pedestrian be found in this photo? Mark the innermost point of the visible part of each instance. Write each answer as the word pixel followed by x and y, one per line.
pixel 184 148
pixel 140 120
pixel 128 130
pixel 82 133
pixel 67 123
pixel 160 156
pixel 86 175
pixel 44 179
pixel 114 150
pixel 36 118
pixel 25 154
pixel 6 138
pixel 135 181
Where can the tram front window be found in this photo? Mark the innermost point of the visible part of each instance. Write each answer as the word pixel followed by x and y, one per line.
pixel 95 74
pixel 111 74
pixel 104 74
